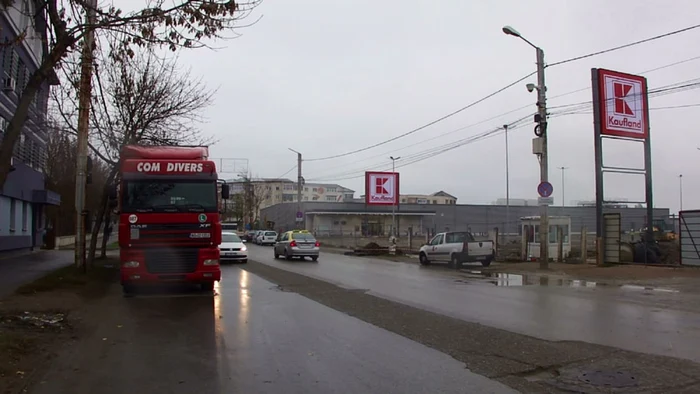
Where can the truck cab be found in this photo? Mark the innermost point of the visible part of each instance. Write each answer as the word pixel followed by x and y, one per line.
pixel 169 221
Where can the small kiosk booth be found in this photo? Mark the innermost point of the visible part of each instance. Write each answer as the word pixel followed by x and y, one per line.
pixel 530 227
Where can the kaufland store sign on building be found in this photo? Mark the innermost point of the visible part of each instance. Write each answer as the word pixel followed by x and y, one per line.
pixel 381 188
pixel 623 113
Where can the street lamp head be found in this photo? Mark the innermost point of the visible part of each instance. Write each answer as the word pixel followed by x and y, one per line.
pixel 511 31
pixel 530 87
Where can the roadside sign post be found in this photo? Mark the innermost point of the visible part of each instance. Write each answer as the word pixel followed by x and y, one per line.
pixel 300 216
pixel 620 112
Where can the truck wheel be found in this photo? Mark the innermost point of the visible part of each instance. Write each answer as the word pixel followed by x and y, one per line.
pixel 486 262
pixel 128 290
pixel 207 286
pixel 423 259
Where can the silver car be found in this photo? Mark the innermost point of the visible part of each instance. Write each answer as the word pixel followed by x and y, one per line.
pixel 297 244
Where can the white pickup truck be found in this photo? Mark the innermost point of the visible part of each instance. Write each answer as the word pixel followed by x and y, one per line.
pixel 457 247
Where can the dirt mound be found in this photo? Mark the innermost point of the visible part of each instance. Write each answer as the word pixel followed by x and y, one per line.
pixel 373 245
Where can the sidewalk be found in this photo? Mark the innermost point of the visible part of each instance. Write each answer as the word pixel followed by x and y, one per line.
pixel 18 270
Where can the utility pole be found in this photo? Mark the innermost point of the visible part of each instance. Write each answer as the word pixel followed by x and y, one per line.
pixel 680 185
pixel 505 128
pixel 563 201
pixel 85 95
pixel 300 184
pixel 393 206
pixel 540 141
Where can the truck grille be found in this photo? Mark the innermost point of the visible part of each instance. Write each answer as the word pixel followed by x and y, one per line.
pixel 171 260
pixel 191 233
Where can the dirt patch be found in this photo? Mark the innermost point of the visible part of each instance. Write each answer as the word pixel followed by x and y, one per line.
pixel 41 316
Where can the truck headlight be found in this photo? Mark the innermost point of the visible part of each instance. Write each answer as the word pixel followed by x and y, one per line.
pixel 130 264
pixel 211 262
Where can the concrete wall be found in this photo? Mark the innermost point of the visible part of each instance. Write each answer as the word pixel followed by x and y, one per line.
pixel 479 219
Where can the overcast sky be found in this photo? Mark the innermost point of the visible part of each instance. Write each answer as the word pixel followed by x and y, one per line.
pixel 327 77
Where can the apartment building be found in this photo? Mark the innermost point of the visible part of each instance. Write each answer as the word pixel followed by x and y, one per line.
pixel 438 198
pixel 23 196
pixel 273 191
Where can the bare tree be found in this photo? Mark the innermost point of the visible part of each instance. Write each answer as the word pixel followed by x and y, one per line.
pixel 253 196
pixel 62 149
pixel 139 99
pixel 173 25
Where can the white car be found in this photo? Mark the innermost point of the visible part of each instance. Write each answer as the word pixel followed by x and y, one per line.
pixel 232 248
pixel 267 238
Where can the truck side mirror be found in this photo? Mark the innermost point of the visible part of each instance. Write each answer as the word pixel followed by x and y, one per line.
pixel 225 192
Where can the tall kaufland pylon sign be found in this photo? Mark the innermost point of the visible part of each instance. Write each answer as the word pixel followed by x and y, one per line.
pixel 621 112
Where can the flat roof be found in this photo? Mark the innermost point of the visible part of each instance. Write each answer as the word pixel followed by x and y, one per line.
pixel 370 213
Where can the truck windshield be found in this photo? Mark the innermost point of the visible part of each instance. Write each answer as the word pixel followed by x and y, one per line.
pixel 169 196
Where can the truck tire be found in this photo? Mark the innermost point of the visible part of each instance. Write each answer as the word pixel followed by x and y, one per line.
pixel 128 290
pixel 486 262
pixel 423 259
pixel 207 286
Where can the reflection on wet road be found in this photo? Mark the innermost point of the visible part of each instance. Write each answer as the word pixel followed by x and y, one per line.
pixel 248 338
pixel 279 342
pixel 657 322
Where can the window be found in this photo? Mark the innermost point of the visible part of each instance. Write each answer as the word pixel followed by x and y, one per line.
pixel 13 214
pixel 331 190
pixel 169 196
pixel 314 190
pixel 330 198
pixel 437 240
pixel 228 238
pixel 270 234
pixel 24 215
pixel 19 77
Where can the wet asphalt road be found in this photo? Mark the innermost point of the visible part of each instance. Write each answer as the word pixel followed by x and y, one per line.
pixel 20 269
pixel 655 322
pixel 250 338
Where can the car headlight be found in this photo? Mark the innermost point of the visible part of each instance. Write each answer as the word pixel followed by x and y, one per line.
pixel 244 248
pixel 130 264
pixel 211 262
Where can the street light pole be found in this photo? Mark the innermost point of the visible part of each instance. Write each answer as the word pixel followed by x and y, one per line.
pixel 393 206
pixel 300 183
pixel 505 128
pixel 680 185
pixel 563 200
pixel 541 133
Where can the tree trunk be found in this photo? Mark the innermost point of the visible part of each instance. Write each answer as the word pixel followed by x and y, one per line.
pixel 100 216
pixel 106 234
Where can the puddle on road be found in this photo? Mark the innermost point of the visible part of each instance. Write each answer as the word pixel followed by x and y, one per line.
pixel 514 280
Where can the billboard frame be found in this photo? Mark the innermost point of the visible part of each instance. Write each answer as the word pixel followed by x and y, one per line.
pixel 601 132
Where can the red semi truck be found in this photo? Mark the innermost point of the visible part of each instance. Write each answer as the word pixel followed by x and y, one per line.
pixel 169 226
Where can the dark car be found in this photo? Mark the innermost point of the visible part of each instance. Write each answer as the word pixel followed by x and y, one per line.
pixel 250 236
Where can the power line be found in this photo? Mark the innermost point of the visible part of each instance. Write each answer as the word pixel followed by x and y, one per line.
pixel 435 151
pixel 453 113
pixel 288 171
pixel 427 153
pixel 665 66
pixel 486 120
pixel 675 107
pixel 623 46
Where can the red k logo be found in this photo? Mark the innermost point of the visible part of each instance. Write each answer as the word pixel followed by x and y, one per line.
pixel 621 90
pixel 380 186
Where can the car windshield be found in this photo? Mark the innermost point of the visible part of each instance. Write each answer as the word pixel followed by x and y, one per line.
pixel 303 237
pixel 270 234
pixel 230 238
pixel 169 196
